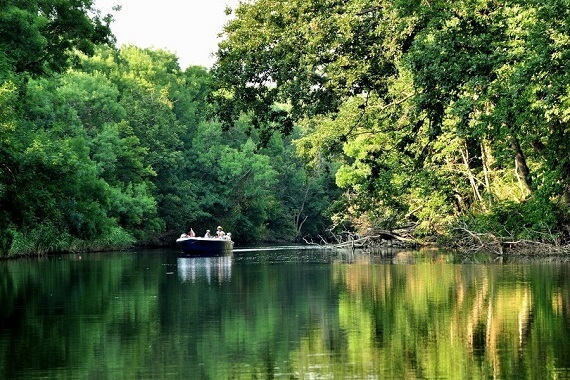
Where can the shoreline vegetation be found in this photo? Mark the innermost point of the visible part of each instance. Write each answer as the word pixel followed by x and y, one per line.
pixel 464 241
pixel 471 244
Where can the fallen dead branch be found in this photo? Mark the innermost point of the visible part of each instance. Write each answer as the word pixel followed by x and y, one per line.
pixel 372 239
pixel 470 241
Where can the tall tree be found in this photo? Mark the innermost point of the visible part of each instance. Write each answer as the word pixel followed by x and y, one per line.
pixel 39 37
pixel 434 108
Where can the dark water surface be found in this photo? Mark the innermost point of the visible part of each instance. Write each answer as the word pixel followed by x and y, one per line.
pixel 284 314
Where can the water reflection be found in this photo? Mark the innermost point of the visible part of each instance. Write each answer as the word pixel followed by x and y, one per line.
pixel 285 314
pixel 216 269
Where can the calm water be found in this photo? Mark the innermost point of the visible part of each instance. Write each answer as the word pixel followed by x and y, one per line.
pixel 284 314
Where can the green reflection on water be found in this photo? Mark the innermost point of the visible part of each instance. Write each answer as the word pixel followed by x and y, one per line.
pixel 284 314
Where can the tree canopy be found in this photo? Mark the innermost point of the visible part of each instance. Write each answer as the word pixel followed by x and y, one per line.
pixel 437 111
pixel 319 117
pixel 41 36
pixel 103 148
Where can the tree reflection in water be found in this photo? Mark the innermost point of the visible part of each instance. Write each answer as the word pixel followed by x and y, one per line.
pixel 285 313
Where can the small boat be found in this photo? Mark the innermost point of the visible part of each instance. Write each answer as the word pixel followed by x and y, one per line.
pixel 204 246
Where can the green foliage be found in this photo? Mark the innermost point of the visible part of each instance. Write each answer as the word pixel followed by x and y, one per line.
pixel 115 238
pixel 121 146
pixel 39 37
pixel 317 115
pixel 236 183
pixel 534 220
pixel 45 238
pixel 424 105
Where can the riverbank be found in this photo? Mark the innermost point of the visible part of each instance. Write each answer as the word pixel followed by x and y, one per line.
pixel 469 241
pixel 460 240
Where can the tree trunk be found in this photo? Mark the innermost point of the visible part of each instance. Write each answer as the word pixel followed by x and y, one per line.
pixel 470 175
pixel 298 222
pixel 521 168
pixel 484 162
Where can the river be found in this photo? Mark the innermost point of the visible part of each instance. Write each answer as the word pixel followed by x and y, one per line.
pixel 285 313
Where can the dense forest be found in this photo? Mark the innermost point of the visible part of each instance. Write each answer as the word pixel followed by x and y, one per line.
pixel 319 120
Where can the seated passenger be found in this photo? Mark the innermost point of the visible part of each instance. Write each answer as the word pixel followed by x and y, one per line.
pixel 207 235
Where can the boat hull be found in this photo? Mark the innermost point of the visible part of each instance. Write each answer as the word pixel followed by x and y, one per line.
pixel 199 246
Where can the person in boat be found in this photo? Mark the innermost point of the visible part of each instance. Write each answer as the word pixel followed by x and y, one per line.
pixel 228 236
pixel 184 235
pixel 220 232
pixel 191 233
pixel 207 235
